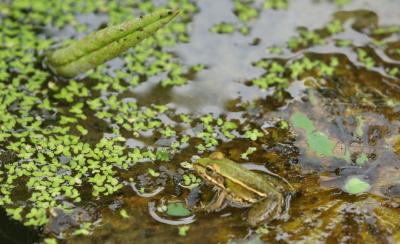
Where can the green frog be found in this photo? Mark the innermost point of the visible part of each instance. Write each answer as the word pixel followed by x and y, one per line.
pixel 264 193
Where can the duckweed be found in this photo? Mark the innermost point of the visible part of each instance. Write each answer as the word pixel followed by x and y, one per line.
pixel 190 181
pixel 124 214
pixel 276 4
pixel 46 129
pixel 223 28
pixel 248 152
pixel 280 75
pixel 182 230
pixel 51 128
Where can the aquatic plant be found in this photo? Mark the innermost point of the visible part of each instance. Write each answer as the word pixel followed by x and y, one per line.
pixel 355 185
pixel 106 44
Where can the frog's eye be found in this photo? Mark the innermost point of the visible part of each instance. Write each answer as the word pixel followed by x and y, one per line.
pixel 209 170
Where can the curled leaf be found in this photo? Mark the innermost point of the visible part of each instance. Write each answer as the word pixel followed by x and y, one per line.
pixel 106 44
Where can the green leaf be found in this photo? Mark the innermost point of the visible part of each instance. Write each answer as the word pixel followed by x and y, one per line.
pixel 321 144
pixel 178 210
pixel 318 141
pixel 106 44
pixel 354 185
pixel 362 159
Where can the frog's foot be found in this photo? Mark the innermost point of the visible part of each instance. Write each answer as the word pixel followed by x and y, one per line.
pixel 265 210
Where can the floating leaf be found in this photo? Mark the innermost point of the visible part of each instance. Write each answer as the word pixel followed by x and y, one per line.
pixel 354 185
pixel 106 44
pixel 318 142
pixel 178 209
pixel 301 120
pixel 321 144
pixel 362 159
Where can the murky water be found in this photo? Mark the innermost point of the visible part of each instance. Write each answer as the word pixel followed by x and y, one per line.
pixel 320 211
pixel 356 109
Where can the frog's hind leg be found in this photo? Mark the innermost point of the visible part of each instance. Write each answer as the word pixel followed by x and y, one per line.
pixel 265 210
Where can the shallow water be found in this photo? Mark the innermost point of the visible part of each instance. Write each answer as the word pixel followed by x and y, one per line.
pixel 356 109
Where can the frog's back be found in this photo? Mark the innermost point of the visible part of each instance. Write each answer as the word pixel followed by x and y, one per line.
pixel 264 183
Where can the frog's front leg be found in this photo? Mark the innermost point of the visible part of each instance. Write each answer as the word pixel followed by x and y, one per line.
pixel 217 202
pixel 266 209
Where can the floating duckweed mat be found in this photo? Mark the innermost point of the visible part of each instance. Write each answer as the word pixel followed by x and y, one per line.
pixel 104 157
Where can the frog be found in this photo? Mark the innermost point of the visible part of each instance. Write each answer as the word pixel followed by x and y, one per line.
pixel 265 194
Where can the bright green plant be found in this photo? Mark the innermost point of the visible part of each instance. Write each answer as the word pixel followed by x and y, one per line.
pixel 106 44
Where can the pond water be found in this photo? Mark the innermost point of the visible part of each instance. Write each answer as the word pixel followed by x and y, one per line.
pixel 305 89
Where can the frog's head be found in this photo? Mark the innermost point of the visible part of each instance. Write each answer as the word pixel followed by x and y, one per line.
pixel 208 168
